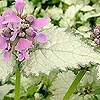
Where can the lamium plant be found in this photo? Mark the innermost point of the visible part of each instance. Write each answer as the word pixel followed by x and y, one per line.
pixel 19 36
pixel 34 48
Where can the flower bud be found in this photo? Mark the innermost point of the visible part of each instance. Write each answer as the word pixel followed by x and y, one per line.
pixel 97 41
pixel 95 35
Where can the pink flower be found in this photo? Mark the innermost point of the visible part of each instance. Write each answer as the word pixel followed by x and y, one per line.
pixel 14 35
pixel 31 33
pixel 6 32
pixel 30 18
pixel 1 22
pixel 23 55
pixel 3 43
pixel 13 19
pixel 6 55
pixel 40 22
pixel 19 5
pixel 14 25
pixel 42 38
pixel 23 30
pixel 23 44
pixel 5 47
pixel 9 12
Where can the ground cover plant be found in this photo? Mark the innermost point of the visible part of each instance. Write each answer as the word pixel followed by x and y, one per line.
pixel 50 50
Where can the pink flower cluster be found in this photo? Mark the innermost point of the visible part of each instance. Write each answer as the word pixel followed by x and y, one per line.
pixel 19 33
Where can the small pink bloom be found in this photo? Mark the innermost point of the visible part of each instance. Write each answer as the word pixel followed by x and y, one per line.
pixel 19 5
pixel 23 44
pixel 13 19
pixel 6 55
pixel 8 47
pixel 40 22
pixel 1 22
pixel 14 35
pixel 31 37
pixel 5 47
pixel 3 44
pixel 9 12
pixel 14 25
pixel 30 31
pixel 20 57
pixel 6 32
pixel 42 38
pixel 30 18
pixel 23 55
pixel 97 41
pixel 26 55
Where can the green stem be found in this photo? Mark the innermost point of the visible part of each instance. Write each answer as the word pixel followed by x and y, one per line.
pixel 17 84
pixel 74 85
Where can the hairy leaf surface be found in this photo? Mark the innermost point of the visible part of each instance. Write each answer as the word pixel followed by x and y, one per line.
pixel 4 90
pixel 64 49
pixel 61 85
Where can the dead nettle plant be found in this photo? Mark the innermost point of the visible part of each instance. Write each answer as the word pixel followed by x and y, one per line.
pixel 19 36
pixel 34 50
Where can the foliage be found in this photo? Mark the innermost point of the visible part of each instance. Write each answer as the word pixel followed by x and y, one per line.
pixel 52 69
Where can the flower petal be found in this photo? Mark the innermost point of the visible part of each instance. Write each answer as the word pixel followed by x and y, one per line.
pixel 14 35
pixel 30 18
pixel 12 18
pixel 42 38
pixel 19 5
pixel 6 55
pixel 31 37
pixel 40 22
pixel 8 46
pixel 1 22
pixel 30 31
pixel 9 12
pixel 20 57
pixel 6 32
pixel 23 44
pixel 3 44
pixel 26 55
pixel 14 25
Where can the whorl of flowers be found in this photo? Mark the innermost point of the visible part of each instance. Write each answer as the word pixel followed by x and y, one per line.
pixel 20 33
pixel 95 35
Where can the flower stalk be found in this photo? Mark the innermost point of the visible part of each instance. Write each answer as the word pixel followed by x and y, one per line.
pixel 17 84
pixel 74 85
